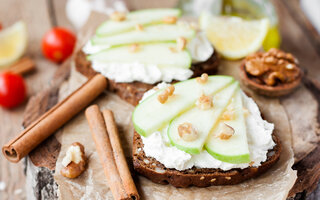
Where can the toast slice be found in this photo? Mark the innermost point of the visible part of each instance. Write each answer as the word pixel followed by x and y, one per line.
pixel 200 177
pixel 133 92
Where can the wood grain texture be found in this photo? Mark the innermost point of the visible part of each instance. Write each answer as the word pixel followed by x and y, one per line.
pixel 306 26
pixel 294 37
pixel 59 8
pixel 298 44
pixel 37 23
pixel 296 41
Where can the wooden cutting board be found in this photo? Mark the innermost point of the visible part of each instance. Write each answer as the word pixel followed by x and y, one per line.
pixel 41 161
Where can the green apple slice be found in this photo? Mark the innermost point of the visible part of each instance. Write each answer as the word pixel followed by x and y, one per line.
pixel 235 149
pixel 155 33
pixel 150 115
pixel 203 121
pixel 159 54
pixel 143 17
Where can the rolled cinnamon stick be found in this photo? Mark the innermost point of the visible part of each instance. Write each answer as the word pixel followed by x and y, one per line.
pixel 22 66
pixel 119 157
pixel 105 152
pixel 53 119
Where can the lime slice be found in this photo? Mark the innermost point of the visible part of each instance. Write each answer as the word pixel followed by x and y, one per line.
pixel 13 42
pixel 234 37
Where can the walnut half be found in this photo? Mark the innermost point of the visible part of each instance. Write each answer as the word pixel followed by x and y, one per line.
pixel 204 102
pixel 272 68
pixel 226 132
pixel 187 132
pixel 74 162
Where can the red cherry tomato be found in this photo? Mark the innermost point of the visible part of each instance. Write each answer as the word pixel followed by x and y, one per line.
pixel 12 90
pixel 58 44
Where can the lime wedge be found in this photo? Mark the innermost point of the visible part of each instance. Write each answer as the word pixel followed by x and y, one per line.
pixel 234 37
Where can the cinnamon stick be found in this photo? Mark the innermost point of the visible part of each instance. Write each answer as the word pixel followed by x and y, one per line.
pixel 104 149
pixel 109 151
pixel 53 119
pixel 21 67
pixel 119 157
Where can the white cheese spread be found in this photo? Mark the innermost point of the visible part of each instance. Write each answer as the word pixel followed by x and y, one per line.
pixel 199 47
pixel 129 72
pixel 259 135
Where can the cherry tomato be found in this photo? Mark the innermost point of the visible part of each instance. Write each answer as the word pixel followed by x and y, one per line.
pixel 0 26
pixel 12 90
pixel 58 44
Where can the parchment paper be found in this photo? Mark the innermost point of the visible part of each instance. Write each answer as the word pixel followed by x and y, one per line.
pixel 275 184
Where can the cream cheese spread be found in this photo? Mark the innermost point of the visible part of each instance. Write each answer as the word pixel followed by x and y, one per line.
pixel 199 47
pixel 259 135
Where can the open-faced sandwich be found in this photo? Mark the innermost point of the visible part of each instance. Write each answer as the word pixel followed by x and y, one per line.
pixel 139 49
pixel 204 131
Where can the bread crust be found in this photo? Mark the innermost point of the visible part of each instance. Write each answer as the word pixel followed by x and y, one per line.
pixel 199 177
pixel 133 92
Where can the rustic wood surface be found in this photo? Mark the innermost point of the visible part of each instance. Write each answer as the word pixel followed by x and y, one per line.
pixel 36 16
pixel 47 13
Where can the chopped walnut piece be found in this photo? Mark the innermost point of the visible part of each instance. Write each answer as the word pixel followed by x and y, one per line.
pixel 204 102
pixel 118 16
pixel 181 43
pixel 272 68
pixel 280 54
pixel 270 60
pixel 280 62
pixel 187 132
pixel 170 89
pixel 255 67
pixel 271 78
pixel 134 48
pixel 170 20
pixel 74 161
pixel 226 132
pixel 290 66
pixel 290 57
pixel 203 78
pixel 139 27
pixel 228 114
pixel 162 98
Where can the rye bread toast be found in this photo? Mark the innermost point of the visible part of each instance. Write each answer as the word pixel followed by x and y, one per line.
pixel 133 92
pixel 200 177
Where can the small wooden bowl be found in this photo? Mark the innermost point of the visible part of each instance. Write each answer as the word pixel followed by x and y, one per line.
pixel 270 91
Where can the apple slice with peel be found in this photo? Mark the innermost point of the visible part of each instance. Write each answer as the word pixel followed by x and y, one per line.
pixel 150 115
pixel 235 149
pixel 202 121
pixel 159 54
pixel 155 33
pixel 142 17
